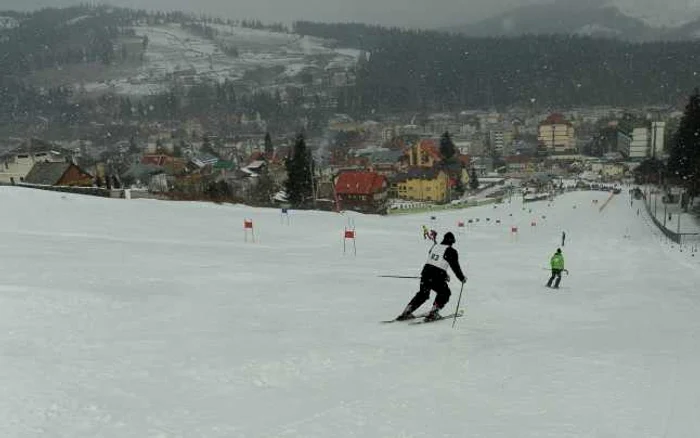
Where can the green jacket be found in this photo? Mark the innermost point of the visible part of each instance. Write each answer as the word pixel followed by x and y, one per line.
pixel 557 261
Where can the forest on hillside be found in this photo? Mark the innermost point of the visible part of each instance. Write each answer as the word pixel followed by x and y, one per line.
pixel 415 69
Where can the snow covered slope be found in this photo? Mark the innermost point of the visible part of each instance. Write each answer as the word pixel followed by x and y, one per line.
pixel 155 319
pixel 173 50
pixel 657 14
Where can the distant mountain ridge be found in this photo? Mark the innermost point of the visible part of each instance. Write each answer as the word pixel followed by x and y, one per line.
pixel 597 18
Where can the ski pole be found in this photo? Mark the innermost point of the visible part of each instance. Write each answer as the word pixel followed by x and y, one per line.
pixel 398 276
pixel 458 301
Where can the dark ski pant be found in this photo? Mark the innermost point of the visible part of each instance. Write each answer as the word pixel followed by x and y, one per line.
pixel 426 285
pixel 556 273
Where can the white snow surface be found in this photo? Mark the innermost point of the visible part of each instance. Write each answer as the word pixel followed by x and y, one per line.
pixel 147 318
pixel 174 50
pixel 658 14
pixel 8 22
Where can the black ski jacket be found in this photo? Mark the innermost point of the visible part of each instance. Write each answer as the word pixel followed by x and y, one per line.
pixel 434 273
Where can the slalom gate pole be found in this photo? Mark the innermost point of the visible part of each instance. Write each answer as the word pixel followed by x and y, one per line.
pixel 458 301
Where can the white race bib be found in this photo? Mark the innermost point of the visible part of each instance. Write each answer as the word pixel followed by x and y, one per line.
pixel 436 257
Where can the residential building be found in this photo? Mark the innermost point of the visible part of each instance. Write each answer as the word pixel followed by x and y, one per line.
pixel 424 153
pixel 58 174
pixel 16 164
pixel 421 184
pixel 556 134
pixel 361 191
pixel 203 159
pixel 608 170
pixel 385 162
pixel 519 163
pixel 641 139
pixel 157 159
pixel 500 139
pixel 388 133
pixel 658 139
pixel 639 144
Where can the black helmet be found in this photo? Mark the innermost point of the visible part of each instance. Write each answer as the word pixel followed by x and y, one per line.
pixel 558 250
pixel 448 239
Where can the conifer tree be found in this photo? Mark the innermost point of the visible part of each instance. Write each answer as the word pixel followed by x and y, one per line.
pixel 447 147
pixel 299 177
pixel 473 180
pixel 269 148
pixel 684 159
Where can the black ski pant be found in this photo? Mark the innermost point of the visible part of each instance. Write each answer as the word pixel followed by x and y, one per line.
pixel 427 284
pixel 556 273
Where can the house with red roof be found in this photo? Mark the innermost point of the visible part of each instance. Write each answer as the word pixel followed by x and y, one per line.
pixel 157 159
pixel 362 191
pixel 424 153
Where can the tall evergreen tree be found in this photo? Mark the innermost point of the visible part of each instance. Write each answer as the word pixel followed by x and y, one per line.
pixel 473 180
pixel 299 177
pixel 684 159
pixel 447 147
pixel 269 148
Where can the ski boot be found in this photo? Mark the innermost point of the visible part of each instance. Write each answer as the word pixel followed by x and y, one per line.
pixel 434 315
pixel 406 314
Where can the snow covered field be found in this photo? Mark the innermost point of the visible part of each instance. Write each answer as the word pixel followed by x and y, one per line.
pixel 147 318
pixel 172 49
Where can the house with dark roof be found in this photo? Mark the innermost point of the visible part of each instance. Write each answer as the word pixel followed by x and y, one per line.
pixel 16 164
pixel 58 174
pixel 385 162
pixel 361 191
pixel 203 160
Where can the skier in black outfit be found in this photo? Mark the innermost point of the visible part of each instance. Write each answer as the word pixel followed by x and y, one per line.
pixel 434 277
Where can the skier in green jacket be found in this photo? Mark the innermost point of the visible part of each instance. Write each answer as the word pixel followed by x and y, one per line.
pixel 557 264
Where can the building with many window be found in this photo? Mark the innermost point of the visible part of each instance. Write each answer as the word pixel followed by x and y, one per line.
pixel 361 191
pixel 421 184
pixel 641 139
pixel 556 134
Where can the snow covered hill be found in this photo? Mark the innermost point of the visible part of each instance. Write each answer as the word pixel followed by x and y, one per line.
pixel 174 52
pixel 8 22
pixel 155 319
pixel 633 20
pixel 660 14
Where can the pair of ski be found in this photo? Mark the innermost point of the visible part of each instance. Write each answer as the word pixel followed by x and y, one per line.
pixel 419 319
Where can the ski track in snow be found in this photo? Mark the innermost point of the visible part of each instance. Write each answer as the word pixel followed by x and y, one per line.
pixel 155 319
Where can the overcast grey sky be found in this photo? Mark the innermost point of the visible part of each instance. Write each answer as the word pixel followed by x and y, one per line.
pixel 407 13
pixel 416 13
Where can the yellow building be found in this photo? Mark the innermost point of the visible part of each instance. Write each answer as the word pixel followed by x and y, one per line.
pixel 557 134
pixel 424 153
pixel 421 184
